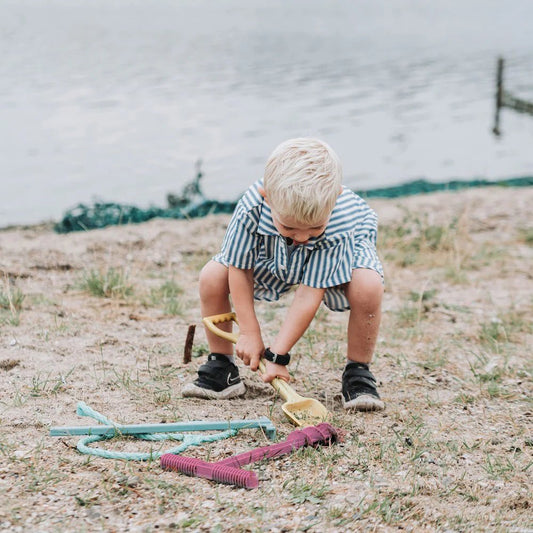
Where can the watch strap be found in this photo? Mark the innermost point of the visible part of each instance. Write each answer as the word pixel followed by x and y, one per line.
pixel 276 357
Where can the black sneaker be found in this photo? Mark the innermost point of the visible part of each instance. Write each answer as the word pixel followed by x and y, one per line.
pixel 218 379
pixel 359 389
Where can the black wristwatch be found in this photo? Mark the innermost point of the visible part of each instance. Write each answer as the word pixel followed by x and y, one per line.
pixel 277 358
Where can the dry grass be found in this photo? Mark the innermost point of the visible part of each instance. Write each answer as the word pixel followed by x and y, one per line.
pixel 451 452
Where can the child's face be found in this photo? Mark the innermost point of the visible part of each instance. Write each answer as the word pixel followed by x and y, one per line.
pixel 300 233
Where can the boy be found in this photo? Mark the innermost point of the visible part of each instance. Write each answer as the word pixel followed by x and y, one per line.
pixel 297 226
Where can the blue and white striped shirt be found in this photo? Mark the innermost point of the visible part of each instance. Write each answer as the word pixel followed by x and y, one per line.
pixel 326 262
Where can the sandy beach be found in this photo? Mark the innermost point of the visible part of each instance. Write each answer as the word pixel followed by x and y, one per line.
pixel 102 316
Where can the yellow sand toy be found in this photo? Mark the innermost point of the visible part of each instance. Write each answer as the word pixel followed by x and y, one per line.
pixel 299 410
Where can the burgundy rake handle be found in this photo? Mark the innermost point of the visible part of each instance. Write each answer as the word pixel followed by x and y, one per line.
pixel 229 471
pixel 310 436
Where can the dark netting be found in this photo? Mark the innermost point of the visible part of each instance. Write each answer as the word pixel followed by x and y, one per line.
pixel 423 186
pixel 100 215
pixel 192 203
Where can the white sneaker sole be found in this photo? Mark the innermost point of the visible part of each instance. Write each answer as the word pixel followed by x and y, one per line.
pixel 193 391
pixel 365 402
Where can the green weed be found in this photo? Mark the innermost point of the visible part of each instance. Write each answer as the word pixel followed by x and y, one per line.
pixel 455 274
pixel 496 390
pixel 408 316
pixel 111 283
pixel 124 379
pixel 11 300
pixel 166 496
pixel 46 385
pixel 504 329
pixel 464 398
pixel 391 510
pixel 526 235
pixel 39 473
pixel 498 467
pixel 41 476
pixel 167 296
pixel 6 449
pixel 488 254
pixel 155 381
pixel 436 359
pixel 423 296
pixel 41 299
pixel 489 375
pixel 200 350
pixel 413 240
pixel 301 492
pixel 196 260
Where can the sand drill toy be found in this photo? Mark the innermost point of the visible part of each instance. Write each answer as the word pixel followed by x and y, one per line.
pixel 229 470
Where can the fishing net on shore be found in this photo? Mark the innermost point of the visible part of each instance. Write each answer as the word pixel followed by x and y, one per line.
pixel 192 203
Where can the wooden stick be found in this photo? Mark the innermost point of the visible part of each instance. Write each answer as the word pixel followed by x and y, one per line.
pixel 187 352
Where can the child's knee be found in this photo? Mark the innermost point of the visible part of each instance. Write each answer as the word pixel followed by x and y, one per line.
pixel 365 289
pixel 213 279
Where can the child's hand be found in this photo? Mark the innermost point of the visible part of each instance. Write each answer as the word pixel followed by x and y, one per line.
pixel 249 348
pixel 275 371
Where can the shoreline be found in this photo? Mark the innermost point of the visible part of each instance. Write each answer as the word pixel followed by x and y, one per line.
pixel 186 201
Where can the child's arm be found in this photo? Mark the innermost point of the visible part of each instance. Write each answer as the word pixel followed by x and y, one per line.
pixel 301 313
pixel 250 346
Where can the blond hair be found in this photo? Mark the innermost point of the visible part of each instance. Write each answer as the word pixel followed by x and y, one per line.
pixel 303 178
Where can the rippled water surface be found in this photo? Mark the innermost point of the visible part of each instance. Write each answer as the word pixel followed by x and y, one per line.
pixel 117 99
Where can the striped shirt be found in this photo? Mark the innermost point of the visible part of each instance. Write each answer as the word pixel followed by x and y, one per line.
pixel 326 262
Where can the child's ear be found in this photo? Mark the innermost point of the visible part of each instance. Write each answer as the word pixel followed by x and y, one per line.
pixel 263 193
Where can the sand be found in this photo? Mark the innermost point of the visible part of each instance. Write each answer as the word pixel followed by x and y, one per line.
pixel 451 452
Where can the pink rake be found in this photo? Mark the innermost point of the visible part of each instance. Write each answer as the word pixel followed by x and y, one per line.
pixel 229 471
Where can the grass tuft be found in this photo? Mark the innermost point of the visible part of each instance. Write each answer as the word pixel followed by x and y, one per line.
pixel 110 283
pixel 11 300
pixel 167 295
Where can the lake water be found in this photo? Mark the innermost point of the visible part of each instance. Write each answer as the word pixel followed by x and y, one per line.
pixel 117 99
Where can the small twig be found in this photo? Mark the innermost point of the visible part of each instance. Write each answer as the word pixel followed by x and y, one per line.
pixel 187 352
pixel 70 446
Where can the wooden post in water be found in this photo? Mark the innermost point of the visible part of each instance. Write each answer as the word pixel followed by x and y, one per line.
pixel 505 99
pixel 499 96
